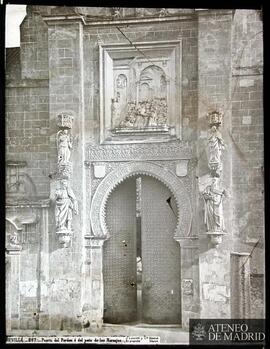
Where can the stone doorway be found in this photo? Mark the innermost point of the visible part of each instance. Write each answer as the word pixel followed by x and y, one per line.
pixel 141 259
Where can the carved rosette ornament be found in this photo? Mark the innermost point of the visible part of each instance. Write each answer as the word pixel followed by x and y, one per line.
pixel 213 195
pixel 65 200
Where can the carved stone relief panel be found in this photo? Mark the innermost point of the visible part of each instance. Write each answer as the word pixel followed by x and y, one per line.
pixel 140 93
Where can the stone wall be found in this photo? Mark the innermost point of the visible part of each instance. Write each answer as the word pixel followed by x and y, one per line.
pixel 27 130
pixel 140 32
pixel 57 70
pixel 34 46
pixel 247 135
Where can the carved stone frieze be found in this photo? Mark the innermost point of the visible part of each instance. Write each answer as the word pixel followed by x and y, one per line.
pixel 152 151
pixel 126 170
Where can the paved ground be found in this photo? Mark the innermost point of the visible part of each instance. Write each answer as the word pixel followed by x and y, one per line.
pixel 168 334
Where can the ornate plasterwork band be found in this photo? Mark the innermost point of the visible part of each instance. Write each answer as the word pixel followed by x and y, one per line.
pixel 114 178
pixel 129 152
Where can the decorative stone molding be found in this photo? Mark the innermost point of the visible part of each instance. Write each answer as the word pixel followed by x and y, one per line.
pixel 216 237
pixel 108 15
pixel 188 242
pixel 124 171
pixel 132 152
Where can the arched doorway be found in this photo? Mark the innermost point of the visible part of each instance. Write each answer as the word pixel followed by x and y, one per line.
pixel 141 259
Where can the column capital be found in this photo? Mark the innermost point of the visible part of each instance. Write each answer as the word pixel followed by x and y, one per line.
pixel 188 241
pixel 94 241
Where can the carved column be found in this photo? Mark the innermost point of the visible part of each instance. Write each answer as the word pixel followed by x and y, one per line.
pixel 13 288
pixel 13 251
pixel 93 307
pixel 44 270
pixel 189 279
pixel 240 285
pixel 8 294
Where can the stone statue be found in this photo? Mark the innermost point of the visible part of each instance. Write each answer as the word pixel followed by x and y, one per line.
pixel 121 81
pixel 66 203
pixel 213 215
pixel 115 110
pixel 64 145
pixel 215 146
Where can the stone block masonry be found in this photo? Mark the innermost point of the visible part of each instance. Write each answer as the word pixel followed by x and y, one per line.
pixel 27 135
pixel 59 70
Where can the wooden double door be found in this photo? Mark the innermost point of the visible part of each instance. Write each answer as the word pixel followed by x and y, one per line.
pixel 141 260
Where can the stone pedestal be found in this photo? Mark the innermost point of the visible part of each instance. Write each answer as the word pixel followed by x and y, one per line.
pixel 215 283
pixel 189 279
pixel 240 285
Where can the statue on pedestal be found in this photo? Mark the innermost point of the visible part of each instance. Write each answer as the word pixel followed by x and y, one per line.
pixel 64 144
pixel 213 215
pixel 215 146
pixel 66 204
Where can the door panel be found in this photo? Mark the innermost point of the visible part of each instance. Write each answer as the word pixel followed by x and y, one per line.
pixel 119 256
pixel 161 302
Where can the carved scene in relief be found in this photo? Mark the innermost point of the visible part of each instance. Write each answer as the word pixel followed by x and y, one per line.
pixel 141 101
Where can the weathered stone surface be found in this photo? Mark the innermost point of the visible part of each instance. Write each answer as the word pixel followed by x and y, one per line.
pixel 215 283
pixel 76 60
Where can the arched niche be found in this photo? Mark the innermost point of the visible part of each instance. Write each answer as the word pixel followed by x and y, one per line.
pixel 124 171
pixel 152 84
